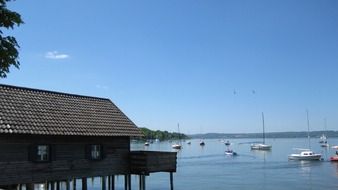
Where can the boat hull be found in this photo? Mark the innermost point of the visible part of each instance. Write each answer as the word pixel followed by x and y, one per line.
pixel 261 147
pixel 230 153
pixel 334 159
pixel 176 146
pixel 299 157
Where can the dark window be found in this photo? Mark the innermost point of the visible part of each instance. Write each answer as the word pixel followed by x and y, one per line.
pixel 40 153
pixel 94 152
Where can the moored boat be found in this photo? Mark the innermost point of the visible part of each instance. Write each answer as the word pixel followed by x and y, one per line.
pixel 230 153
pixel 176 146
pixel 334 158
pixel 261 146
pixel 202 143
pixel 305 154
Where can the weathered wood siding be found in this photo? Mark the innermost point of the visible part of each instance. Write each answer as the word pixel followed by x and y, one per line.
pixel 146 162
pixel 69 159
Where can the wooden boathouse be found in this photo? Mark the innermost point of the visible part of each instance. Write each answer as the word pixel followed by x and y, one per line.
pixel 52 137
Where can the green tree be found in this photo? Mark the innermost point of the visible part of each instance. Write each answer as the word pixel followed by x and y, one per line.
pixel 9 54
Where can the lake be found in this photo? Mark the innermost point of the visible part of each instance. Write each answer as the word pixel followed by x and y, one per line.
pixel 201 168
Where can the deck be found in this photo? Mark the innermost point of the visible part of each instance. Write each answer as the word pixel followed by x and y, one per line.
pixel 146 162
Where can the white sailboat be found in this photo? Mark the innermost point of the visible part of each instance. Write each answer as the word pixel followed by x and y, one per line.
pixel 305 154
pixel 323 138
pixel 177 145
pixel 261 146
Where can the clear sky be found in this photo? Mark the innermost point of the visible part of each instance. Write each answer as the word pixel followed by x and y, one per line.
pixel 212 66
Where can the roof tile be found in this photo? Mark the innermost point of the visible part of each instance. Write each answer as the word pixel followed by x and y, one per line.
pixel 32 111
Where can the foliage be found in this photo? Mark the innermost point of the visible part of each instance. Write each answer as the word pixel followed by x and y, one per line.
pixel 162 135
pixel 9 54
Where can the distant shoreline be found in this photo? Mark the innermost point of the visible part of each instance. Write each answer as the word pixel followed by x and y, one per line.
pixel 301 134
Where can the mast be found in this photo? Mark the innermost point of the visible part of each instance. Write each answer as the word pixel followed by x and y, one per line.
pixel 263 128
pixel 308 128
pixel 179 135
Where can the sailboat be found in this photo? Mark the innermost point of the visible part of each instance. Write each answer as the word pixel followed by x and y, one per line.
pixel 305 154
pixel 261 146
pixel 323 138
pixel 177 145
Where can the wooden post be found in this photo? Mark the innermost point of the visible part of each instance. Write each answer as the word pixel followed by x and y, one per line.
pixel 109 182
pixel 84 183
pixel 67 184
pixel 52 185
pixel 144 182
pixel 20 186
pixel 125 182
pixel 74 183
pixel 29 186
pixel 46 185
pixel 103 181
pixel 58 185
pixel 129 181
pixel 113 182
pixel 140 182
pixel 171 181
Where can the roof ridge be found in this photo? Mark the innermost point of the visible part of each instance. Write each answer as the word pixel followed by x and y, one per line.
pixel 53 92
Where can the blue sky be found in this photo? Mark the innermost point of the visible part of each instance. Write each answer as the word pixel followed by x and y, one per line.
pixel 212 66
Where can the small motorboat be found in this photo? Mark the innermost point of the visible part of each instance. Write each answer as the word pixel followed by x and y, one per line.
pixel 230 153
pixel 305 154
pixel 260 147
pixel 146 143
pixel 176 146
pixel 227 143
pixel 334 158
pixel 189 142
pixel 324 145
pixel 202 143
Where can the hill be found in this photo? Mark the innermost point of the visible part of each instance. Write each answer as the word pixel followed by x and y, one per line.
pixel 301 134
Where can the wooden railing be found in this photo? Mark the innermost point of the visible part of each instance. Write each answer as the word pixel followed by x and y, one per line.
pixel 146 162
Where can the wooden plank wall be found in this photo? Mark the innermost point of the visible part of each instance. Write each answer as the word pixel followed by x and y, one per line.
pixel 146 162
pixel 69 160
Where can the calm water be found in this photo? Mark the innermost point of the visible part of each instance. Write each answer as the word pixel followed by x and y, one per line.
pixel 202 168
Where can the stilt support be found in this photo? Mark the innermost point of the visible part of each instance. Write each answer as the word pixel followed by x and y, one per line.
pixel 84 183
pixel 103 181
pixel 171 181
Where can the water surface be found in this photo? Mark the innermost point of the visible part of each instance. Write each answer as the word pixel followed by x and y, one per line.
pixel 207 167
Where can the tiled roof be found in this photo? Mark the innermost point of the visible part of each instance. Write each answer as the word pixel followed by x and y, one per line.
pixel 40 112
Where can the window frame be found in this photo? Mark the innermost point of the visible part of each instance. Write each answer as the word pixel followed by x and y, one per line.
pixel 35 155
pixel 94 152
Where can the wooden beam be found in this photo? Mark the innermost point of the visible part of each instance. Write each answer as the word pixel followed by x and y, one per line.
pixel 171 181
pixel 109 182
pixel 129 181
pixel 67 184
pixel 103 181
pixel 29 186
pixel 84 183
pixel 52 185
pixel 74 183
pixel 113 182
pixel 144 182
pixel 125 182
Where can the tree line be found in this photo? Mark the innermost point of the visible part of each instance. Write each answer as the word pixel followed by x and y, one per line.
pixel 162 135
